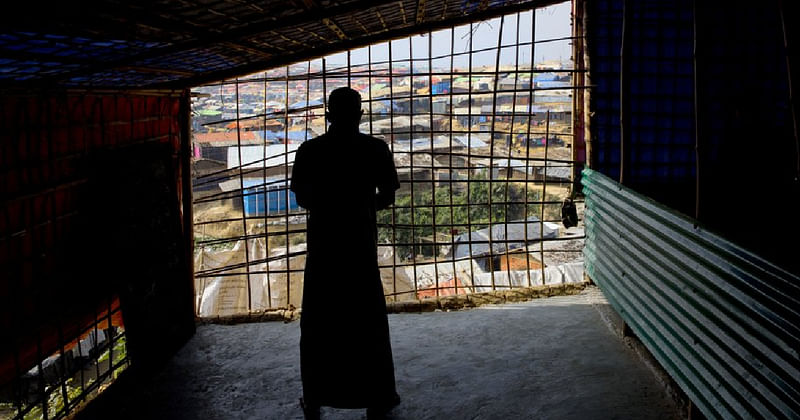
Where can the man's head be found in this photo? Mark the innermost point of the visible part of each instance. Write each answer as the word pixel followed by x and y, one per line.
pixel 344 107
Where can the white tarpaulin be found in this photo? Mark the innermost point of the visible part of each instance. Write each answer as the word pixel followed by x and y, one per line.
pixel 227 293
pixel 558 274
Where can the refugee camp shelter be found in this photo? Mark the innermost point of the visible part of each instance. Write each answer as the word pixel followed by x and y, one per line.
pixel 688 110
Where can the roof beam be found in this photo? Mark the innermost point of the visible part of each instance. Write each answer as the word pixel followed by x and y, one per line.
pixel 335 28
pixel 256 51
pixel 402 11
pixel 360 25
pixel 155 70
pixel 420 13
pixel 381 19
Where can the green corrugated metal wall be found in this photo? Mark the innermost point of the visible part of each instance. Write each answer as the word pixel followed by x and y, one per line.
pixel 724 323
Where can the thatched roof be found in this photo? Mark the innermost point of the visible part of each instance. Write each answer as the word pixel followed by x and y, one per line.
pixel 177 44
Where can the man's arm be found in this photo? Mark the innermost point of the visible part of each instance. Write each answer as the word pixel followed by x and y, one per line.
pixel 301 185
pixel 384 199
pixel 387 180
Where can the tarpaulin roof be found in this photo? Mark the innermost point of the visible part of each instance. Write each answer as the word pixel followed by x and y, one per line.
pixel 178 44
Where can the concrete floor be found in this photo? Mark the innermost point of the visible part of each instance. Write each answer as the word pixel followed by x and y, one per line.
pixel 551 358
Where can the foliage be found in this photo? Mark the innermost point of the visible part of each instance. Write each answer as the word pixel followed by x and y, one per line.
pixel 120 351
pixel 55 402
pixel 55 394
pixel 218 246
pixel 470 206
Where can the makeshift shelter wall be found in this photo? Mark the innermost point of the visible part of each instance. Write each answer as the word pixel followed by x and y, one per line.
pixel 643 122
pixel 708 132
pixel 749 156
pixel 68 165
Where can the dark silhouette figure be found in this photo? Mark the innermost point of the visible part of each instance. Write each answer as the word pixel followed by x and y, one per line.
pixel 342 178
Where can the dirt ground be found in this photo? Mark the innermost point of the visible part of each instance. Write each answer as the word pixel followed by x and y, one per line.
pixel 551 358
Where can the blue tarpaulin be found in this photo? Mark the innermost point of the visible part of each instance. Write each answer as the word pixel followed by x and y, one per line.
pixel 279 136
pixel 259 203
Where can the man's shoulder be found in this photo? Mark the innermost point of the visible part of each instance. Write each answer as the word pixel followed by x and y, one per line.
pixel 312 143
pixel 316 140
pixel 369 137
pixel 319 143
pixel 374 141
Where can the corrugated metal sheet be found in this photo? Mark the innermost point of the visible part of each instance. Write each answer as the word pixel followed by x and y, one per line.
pixel 722 321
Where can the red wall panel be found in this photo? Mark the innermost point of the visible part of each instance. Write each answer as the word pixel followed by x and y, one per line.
pixel 48 152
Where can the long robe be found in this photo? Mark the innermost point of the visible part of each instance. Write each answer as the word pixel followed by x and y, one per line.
pixel 345 353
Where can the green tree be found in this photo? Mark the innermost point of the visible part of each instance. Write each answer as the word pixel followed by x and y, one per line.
pixel 413 228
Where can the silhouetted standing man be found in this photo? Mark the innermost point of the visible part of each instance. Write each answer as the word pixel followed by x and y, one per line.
pixel 343 177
